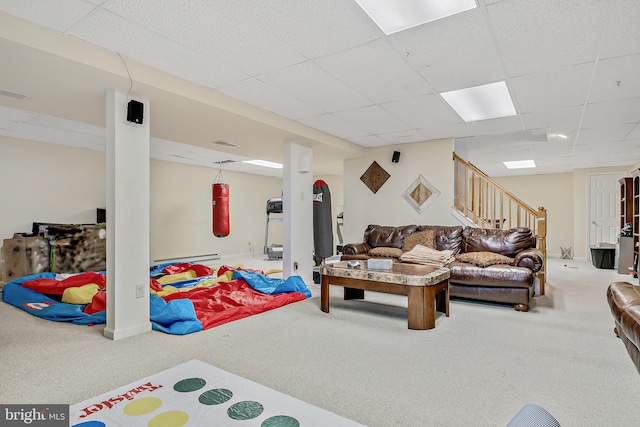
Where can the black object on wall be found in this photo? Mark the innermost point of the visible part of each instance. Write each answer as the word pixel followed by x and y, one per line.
pixel 135 111
pixel 396 157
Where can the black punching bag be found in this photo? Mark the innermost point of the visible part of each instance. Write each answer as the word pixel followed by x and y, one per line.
pixel 322 221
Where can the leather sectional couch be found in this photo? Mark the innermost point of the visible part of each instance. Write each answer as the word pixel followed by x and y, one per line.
pixel 624 301
pixel 490 264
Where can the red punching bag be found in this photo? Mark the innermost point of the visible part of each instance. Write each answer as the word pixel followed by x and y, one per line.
pixel 220 208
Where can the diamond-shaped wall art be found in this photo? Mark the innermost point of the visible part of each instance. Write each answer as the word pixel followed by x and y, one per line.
pixel 420 194
pixel 374 177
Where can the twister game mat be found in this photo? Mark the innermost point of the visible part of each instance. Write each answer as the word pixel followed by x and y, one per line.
pixel 195 394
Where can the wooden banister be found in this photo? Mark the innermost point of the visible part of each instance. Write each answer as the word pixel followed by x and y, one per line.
pixel 487 204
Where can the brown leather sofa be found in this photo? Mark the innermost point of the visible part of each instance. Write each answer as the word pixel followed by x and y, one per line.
pixel 509 278
pixel 624 301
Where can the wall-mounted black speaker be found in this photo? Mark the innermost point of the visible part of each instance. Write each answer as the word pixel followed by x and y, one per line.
pixel 135 112
pixel 396 157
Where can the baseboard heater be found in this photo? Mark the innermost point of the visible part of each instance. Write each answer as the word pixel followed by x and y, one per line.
pixel 195 258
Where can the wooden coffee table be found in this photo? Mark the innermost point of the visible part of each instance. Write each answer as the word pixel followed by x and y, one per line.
pixel 426 287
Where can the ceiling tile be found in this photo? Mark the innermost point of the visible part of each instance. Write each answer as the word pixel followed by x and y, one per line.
pixel 402 137
pixel 15 115
pixel 373 119
pixel 635 133
pixel 558 88
pixel 229 33
pixel 422 111
pixel 430 49
pixel 334 125
pixel 496 126
pixel 615 112
pixel 309 82
pixel 369 141
pixel 560 120
pixel 316 28
pixel 258 93
pixel 59 15
pixel 603 134
pixel 622 35
pixel 68 125
pixel 616 78
pixel 376 70
pixel 112 32
pixel 460 130
pixel 61 137
pixel 547 34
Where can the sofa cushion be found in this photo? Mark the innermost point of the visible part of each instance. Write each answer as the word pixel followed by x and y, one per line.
pixel 425 238
pixel 388 236
pixel 385 252
pixel 506 242
pixel 484 259
pixel 499 276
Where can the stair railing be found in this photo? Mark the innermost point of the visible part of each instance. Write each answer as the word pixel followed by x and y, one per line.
pixel 486 204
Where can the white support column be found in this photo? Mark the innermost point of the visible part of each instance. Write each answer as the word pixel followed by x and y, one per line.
pixel 297 203
pixel 128 171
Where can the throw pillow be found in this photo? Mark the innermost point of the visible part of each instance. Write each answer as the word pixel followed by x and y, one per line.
pixel 484 259
pixel 386 252
pixel 425 238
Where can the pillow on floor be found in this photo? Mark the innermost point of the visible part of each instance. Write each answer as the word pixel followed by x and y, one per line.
pixel 385 252
pixel 484 259
pixel 425 238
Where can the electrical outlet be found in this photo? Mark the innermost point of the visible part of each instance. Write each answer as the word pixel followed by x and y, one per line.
pixel 295 265
pixel 140 290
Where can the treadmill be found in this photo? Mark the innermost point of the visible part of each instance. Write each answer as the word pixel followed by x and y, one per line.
pixel 274 206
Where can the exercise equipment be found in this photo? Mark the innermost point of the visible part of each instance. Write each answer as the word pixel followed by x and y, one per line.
pixel 274 206
pixel 322 222
pixel 339 225
pixel 220 206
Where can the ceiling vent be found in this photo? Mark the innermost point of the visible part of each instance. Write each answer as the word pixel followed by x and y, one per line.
pixel 227 144
pixel 12 94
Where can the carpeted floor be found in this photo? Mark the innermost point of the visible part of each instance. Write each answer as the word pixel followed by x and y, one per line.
pixel 476 368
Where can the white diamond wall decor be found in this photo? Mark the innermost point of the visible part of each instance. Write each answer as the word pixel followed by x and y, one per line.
pixel 421 194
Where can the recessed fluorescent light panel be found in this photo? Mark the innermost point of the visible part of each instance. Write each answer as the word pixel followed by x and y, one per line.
pixel 397 15
pixel 520 164
pixel 263 163
pixel 481 102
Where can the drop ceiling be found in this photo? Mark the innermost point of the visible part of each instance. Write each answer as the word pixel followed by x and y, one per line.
pixel 322 74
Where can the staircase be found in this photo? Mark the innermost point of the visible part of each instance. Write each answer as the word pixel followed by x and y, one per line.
pixel 481 202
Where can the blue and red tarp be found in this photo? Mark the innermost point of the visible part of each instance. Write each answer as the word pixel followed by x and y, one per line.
pixel 192 306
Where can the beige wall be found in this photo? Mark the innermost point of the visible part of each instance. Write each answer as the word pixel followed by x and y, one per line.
pixel 555 193
pixel 432 159
pixel 52 183
pixel 181 211
pixel 48 183
pixel 42 182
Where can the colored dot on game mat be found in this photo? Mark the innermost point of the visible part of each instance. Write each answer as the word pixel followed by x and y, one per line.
pixel 189 384
pixel 91 424
pixel 245 410
pixel 142 406
pixel 169 419
pixel 280 421
pixel 215 396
